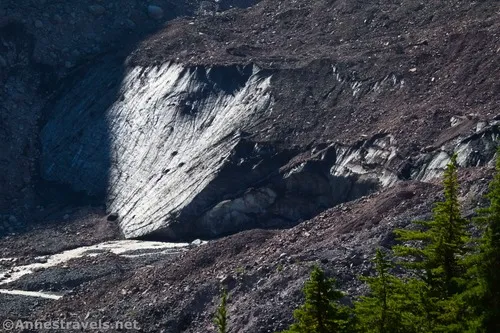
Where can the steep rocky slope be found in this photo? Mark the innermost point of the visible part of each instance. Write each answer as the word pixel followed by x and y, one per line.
pixel 331 118
pixel 42 43
pixel 263 270
pixel 190 138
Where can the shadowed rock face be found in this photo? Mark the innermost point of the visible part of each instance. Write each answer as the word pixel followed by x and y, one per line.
pixel 43 42
pixel 190 139
pixel 75 139
pixel 348 98
pixel 171 150
pixel 20 82
pixel 184 151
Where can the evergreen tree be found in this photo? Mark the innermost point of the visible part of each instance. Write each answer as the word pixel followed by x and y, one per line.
pixel 435 254
pixel 485 273
pixel 221 317
pixel 321 312
pixel 381 310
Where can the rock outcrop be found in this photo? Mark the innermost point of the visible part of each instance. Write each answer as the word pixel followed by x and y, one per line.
pixel 194 133
pixel 171 150
pixel 327 121
pixel 42 42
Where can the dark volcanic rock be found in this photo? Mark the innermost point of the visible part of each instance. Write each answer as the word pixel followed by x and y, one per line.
pixel 155 12
pixel 333 118
pixel 43 42
pixel 183 147
pixel 263 270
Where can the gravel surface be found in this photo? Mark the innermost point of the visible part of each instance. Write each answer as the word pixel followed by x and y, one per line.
pixel 341 70
pixel 263 269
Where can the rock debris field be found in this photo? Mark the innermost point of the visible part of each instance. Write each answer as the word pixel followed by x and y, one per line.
pixel 152 152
